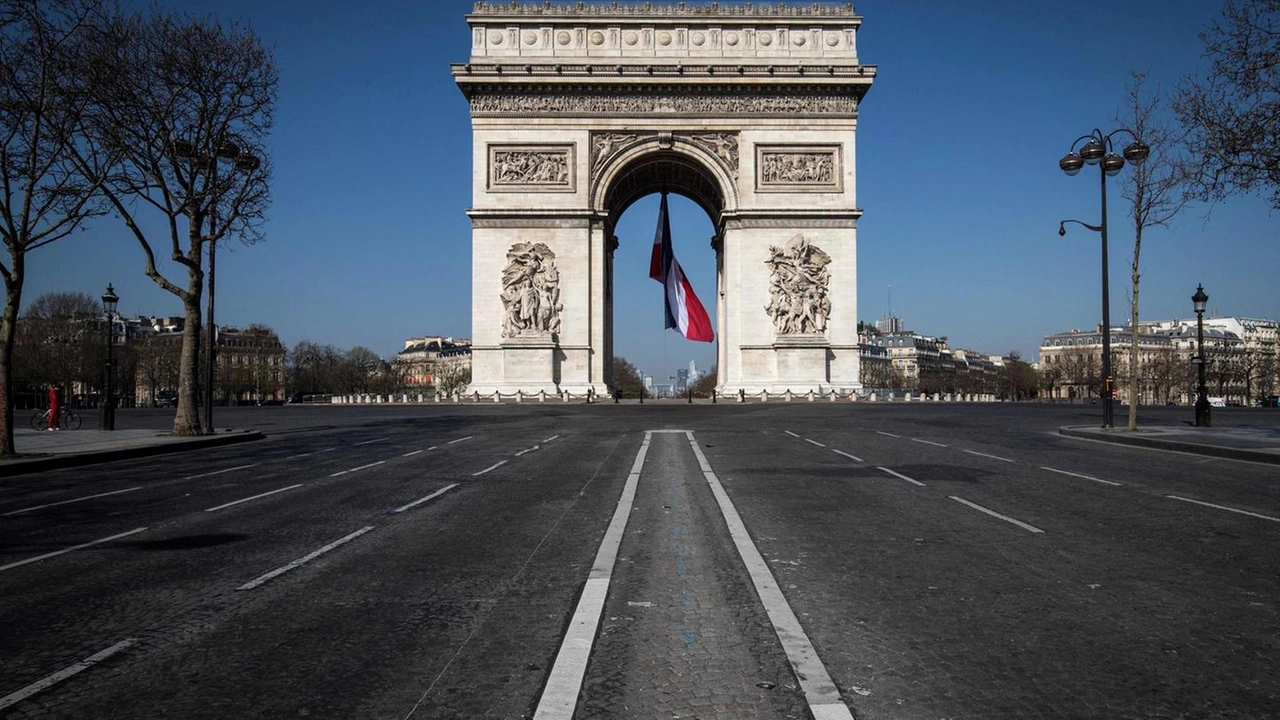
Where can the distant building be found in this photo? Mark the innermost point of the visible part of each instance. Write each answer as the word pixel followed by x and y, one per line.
pixel 425 360
pixel 889 325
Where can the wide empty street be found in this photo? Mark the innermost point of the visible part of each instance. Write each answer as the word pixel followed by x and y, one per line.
pixel 665 560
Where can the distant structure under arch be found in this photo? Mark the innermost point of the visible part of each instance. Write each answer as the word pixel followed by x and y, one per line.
pixel 579 110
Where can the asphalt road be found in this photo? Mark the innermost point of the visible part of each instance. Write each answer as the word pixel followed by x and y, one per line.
pixel 656 561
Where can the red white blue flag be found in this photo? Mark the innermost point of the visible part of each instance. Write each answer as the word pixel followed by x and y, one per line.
pixel 684 312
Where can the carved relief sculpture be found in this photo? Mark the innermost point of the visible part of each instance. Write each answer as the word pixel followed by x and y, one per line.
pixel 724 145
pixel 530 168
pixel 797 168
pixel 799 284
pixel 605 144
pixel 530 291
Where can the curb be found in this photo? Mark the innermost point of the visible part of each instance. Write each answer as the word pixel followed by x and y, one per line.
pixel 9 468
pixel 1155 443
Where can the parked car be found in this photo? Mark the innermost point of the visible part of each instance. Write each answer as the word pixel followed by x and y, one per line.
pixel 167 397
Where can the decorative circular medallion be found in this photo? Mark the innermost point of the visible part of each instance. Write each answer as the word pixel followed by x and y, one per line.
pixel 631 38
pixel 833 40
pixel 799 40
pixel 597 38
pixel 495 38
pixel 563 37
pixel 664 38
pixel 699 38
pixel 731 39
pixel 530 38
pixel 766 39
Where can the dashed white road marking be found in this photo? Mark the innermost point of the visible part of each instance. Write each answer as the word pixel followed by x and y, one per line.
pixel 529 450
pixel 411 454
pixel 988 455
pixel 81 546
pixel 219 472
pixel 900 476
pixel 927 442
pixel 491 468
pixel 815 442
pixel 68 502
pixel 454 442
pixel 428 498
pixel 1217 507
pixel 1082 477
pixel 50 680
pixel 881 432
pixel 553 437
pixel 313 452
pixel 820 692
pixel 370 442
pixel 266 577
pixel 255 497
pixel 354 469
pixel 995 514
pixel 791 433
pixel 854 458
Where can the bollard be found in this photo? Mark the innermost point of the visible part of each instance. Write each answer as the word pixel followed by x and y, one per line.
pixel 642 397
pixel 519 396
pixel 690 393
pixel 542 395
pixel 788 395
pixel 713 397
pixel 742 395
pixel 764 396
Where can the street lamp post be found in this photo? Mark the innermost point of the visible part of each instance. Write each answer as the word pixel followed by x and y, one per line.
pixel 1099 151
pixel 107 415
pixel 1199 301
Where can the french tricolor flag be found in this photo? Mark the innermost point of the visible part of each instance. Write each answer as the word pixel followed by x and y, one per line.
pixel 684 312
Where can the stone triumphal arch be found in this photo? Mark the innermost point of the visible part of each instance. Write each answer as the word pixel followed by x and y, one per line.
pixel 579 110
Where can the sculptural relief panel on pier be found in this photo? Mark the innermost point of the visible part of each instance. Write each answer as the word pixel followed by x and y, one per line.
pixel 530 292
pixel 531 168
pixel 799 287
pixel 798 168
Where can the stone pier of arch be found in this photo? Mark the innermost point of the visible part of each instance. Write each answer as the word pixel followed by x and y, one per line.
pixel 580 110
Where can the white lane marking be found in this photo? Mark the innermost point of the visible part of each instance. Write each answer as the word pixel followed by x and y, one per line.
pixel 529 450
pixel 560 695
pixel 1082 477
pixel 454 442
pixel 52 679
pixel 428 498
pixel 492 467
pixel 255 497
pixel 881 432
pixel 791 433
pixel 370 442
pixel 68 502
pixel 81 546
pixel 410 454
pixel 1224 507
pixel 815 442
pixel 303 560
pixel 819 691
pixel 219 472
pixel 313 452
pixel 995 514
pixel 362 467
pixel 553 437
pixel 854 458
pixel 433 447
pixel 900 476
pixel 986 455
pixel 927 442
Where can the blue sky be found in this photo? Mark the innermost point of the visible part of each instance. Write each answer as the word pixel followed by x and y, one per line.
pixel 974 103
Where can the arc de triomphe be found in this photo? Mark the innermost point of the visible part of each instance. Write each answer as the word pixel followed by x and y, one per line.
pixel 579 110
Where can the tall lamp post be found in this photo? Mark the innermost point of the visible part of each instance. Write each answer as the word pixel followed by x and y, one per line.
pixel 224 150
pixel 1098 150
pixel 1199 301
pixel 107 415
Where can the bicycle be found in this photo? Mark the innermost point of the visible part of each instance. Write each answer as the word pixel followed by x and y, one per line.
pixel 67 419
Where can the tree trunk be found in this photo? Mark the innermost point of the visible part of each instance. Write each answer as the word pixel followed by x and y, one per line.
pixel 8 329
pixel 187 419
pixel 1135 383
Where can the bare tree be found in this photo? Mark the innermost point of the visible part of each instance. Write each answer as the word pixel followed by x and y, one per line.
pixel 44 196
pixel 1154 192
pixel 60 340
pixel 188 103
pixel 1232 116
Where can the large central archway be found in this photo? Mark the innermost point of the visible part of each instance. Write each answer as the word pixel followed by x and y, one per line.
pixel 579 111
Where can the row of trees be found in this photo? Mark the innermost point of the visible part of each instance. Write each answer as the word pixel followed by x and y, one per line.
pixel 156 118
pixel 1166 376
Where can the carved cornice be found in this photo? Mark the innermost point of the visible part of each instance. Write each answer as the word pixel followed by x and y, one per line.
pixel 646 9
pixel 590 102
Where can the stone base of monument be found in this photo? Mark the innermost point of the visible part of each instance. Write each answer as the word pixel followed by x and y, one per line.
pixel 802 362
pixel 526 364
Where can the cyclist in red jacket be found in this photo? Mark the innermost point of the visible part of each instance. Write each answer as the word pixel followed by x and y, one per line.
pixel 55 407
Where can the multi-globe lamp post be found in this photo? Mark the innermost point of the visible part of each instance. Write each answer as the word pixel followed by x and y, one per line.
pixel 107 415
pixel 1099 150
pixel 1199 301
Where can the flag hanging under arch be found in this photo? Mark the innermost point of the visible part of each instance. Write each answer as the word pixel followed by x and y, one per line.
pixel 684 312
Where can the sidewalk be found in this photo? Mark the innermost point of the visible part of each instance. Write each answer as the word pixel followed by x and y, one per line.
pixel 1250 443
pixel 44 450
